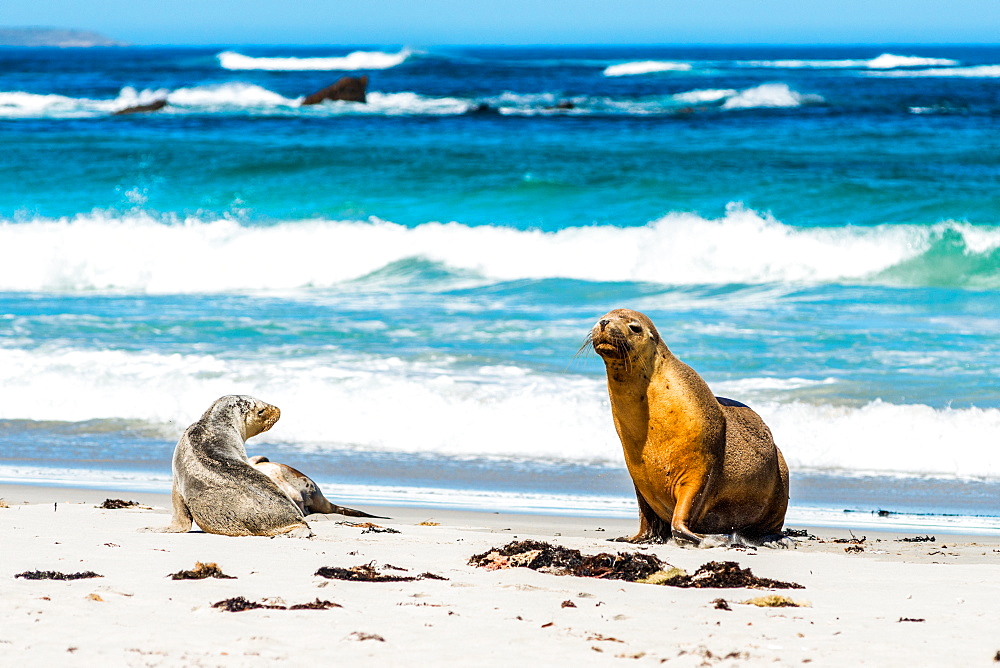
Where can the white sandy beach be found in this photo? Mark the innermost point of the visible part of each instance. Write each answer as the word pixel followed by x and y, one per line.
pixel 136 615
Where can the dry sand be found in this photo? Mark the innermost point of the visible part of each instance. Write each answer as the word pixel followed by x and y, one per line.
pixel 893 604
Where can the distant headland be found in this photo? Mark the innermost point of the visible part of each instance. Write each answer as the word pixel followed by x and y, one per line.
pixel 36 36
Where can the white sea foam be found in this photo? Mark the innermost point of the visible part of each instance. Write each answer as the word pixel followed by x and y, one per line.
pixel 976 72
pixel 399 104
pixel 882 62
pixel 645 67
pixel 769 95
pixel 337 400
pixel 520 416
pixel 357 60
pixel 239 97
pixel 887 438
pixel 772 95
pixel 138 253
pixel 706 95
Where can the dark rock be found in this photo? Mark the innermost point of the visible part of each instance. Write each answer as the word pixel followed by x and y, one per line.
pixel 156 105
pixel 349 89
pixel 482 109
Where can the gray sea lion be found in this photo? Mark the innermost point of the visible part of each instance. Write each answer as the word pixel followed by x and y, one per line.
pixel 301 489
pixel 701 464
pixel 214 483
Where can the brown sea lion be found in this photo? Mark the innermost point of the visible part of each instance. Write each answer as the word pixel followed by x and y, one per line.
pixel 214 483
pixel 301 489
pixel 702 465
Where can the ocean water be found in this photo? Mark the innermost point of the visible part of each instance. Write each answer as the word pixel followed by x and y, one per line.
pixel 815 230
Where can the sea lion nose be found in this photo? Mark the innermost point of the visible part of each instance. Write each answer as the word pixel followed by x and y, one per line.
pixel 603 323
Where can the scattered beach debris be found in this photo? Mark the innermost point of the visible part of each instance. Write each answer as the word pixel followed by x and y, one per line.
pixel 115 504
pixel 775 601
pixel 390 567
pixel 567 604
pixel 548 558
pixel 239 604
pixel 631 567
pixel 428 523
pixel 799 533
pixel 706 654
pixel 854 549
pixel 360 635
pixel 916 539
pixel 726 575
pixel 56 575
pixel 599 638
pixel 95 597
pixel 368 573
pixel 721 604
pixel 369 527
pixel 3 504
pixel 911 619
pixel 853 540
pixel 201 571
pixel 431 576
pixel 315 605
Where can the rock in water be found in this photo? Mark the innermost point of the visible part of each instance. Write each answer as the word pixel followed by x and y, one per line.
pixel 143 108
pixel 349 89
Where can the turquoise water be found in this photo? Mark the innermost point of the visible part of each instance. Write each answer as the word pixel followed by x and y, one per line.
pixel 815 230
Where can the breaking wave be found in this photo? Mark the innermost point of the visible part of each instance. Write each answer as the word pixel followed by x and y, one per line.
pixel 645 67
pixel 357 60
pixel 886 61
pixel 136 252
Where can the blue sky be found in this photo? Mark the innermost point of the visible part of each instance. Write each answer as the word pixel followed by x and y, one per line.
pixel 429 22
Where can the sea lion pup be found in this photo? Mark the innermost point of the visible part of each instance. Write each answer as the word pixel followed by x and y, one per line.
pixel 214 483
pixel 701 464
pixel 301 489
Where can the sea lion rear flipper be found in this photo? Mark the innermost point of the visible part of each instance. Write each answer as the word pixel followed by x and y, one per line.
pixel 319 504
pixel 351 512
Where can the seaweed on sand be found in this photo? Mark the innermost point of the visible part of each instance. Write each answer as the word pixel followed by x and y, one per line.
pixel 631 567
pixel 368 573
pixel 728 575
pixel 239 604
pixel 115 504
pixel 56 575
pixel 202 571
pixel 539 555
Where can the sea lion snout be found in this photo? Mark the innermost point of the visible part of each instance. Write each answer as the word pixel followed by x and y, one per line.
pixel 612 336
pixel 268 415
pixel 259 417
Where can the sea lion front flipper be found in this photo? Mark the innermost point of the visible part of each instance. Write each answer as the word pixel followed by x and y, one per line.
pixel 651 528
pixel 181 521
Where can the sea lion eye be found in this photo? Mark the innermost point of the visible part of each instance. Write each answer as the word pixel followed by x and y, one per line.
pixel 260 413
pixel 635 327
